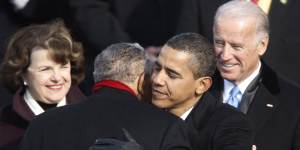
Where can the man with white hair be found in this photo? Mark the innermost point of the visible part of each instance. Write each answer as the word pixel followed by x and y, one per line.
pixel 241 36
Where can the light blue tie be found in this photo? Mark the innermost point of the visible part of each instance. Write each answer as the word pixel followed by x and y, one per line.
pixel 233 100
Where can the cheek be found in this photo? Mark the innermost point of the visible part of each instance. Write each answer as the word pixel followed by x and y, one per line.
pixel 217 51
pixel 178 89
pixel 66 75
pixel 37 80
pixel 245 58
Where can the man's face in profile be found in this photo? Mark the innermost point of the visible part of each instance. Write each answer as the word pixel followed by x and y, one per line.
pixel 173 83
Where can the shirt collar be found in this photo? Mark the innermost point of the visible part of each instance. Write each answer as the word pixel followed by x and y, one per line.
pixel 186 114
pixel 34 105
pixel 112 84
pixel 242 86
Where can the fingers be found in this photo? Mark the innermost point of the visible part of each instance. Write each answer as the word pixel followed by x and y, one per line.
pixel 253 147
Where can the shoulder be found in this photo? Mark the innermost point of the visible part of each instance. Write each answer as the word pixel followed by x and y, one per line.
pixel 125 104
pixel 223 125
pixel 10 127
pixel 233 129
pixel 75 95
pixel 279 86
pixel 228 115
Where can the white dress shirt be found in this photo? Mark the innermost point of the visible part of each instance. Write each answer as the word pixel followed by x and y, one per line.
pixel 186 114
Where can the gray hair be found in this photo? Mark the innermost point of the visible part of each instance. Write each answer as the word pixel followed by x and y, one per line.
pixel 121 62
pixel 244 9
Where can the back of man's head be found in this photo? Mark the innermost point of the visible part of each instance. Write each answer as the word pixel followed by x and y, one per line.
pixel 121 62
pixel 203 62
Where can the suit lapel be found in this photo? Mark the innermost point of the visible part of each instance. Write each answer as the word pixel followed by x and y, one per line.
pixel 262 107
pixel 265 102
pixel 202 111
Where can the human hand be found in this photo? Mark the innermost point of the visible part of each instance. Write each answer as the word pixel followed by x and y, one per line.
pixel 115 144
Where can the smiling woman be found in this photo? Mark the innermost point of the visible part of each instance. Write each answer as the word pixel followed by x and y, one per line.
pixel 42 66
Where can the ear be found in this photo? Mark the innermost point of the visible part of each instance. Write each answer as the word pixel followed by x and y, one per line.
pixel 24 80
pixel 203 84
pixel 263 45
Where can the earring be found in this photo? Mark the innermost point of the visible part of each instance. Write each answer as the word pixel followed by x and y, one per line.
pixel 25 83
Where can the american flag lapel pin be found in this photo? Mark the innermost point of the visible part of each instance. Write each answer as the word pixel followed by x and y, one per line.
pixel 284 2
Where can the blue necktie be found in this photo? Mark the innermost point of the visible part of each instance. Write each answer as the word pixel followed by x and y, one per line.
pixel 233 100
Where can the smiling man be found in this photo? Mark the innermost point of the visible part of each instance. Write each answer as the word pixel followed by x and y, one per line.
pixel 241 37
pixel 181 76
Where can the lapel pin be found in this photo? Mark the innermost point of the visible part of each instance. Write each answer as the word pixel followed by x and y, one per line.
pixel 283 1
pixel 270 105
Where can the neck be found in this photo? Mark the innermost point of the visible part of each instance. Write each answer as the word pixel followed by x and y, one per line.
pixel 181 108
pixel 254 72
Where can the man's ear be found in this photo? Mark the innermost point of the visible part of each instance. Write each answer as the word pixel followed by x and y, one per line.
pixel 263 45
pixel 203 84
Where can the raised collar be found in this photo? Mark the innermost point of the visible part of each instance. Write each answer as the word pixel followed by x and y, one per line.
pixel 112 84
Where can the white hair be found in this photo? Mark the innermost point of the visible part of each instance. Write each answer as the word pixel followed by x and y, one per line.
pixel 241 9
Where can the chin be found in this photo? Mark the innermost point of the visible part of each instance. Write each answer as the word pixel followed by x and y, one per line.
pixel 160 103
pixel 55 99
pixel 228 76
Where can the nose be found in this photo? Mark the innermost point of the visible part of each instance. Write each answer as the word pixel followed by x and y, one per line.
pixel 157 78
pixel 225 52
pixel 55 76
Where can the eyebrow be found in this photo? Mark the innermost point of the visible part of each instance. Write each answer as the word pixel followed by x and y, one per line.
pixel 168 69
pixel 173 72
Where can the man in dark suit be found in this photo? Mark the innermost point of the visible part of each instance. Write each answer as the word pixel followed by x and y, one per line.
pixel 284 39
pixel 112 108
pixel 241 36
pixel 181 76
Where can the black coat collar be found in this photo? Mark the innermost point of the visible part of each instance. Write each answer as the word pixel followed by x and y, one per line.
pixel 265 101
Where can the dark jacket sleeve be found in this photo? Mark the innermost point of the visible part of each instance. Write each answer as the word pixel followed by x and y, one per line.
pixel 233 132
pixel 296 140
pixel 33 137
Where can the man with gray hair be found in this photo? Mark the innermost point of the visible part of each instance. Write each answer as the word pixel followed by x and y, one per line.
pixel 241 37
pixel 113 114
